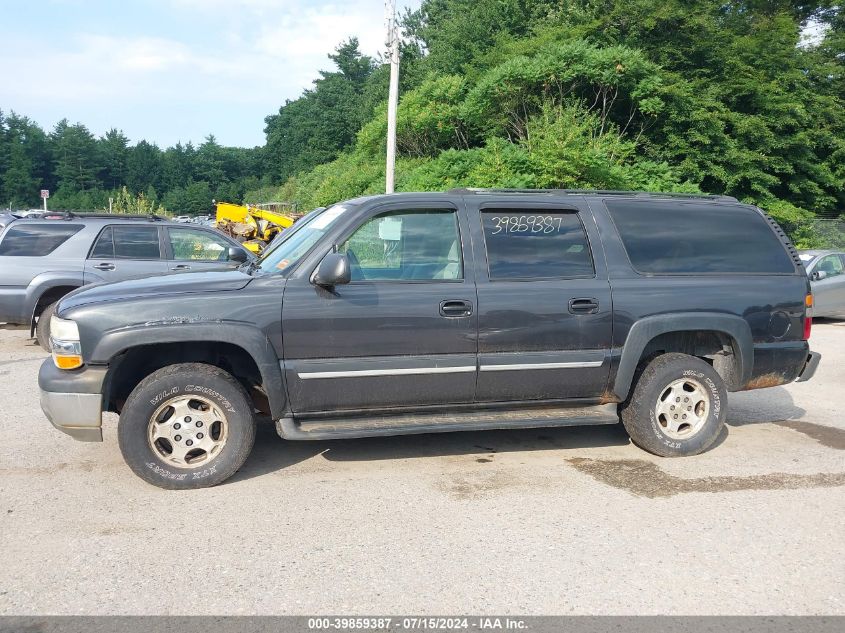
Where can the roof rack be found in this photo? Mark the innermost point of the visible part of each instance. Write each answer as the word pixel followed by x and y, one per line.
pixel 595 192
pixel 71 215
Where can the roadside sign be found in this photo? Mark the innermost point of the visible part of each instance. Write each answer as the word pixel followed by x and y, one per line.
pixel 45 193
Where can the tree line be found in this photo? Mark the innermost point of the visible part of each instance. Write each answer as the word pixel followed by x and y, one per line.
pixel 713 96
pixel 82 171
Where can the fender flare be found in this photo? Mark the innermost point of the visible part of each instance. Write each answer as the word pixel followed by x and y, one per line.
pixel 44 283
pixel 645 330
pixel 249 338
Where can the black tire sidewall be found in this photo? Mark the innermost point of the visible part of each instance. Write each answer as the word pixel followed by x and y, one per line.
pixel 42 327
pixel 647 432
pixel 201 380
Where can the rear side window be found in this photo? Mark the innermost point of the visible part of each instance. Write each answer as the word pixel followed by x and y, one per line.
pixel 690 238
pixel 536 244
pixel 136 242
pixel 36 240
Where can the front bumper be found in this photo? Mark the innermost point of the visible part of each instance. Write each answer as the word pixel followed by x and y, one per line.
pixel 72 400
pixel 810 367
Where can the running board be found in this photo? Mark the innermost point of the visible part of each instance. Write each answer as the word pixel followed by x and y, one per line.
pixel 408 424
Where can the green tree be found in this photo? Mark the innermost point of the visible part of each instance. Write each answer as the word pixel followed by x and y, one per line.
pixel 315 128
pixel 143 167
pixel 76 158
pixel 114 155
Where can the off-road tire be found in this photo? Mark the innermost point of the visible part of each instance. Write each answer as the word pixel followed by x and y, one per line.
pixel 208 382
pixel 42 326
pixel 641 420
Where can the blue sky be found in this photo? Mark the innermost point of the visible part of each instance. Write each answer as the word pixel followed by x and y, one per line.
pixel 171 70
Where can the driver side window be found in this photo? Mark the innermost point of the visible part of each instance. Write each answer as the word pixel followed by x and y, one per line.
pixel 423 245
pixel 831 265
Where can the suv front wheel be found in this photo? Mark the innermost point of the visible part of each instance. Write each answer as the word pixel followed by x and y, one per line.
pixel 677 406
pixel 186 426
pixel 42 326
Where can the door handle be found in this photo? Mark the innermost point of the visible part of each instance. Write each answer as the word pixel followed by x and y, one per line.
pixel 181 267
pixel 104 266
pixel 455 308
pixel 583 305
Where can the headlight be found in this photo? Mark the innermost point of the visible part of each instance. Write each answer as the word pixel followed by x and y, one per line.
pixel 64 342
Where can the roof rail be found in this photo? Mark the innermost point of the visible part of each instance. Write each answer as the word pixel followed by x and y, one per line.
pixel 595 192
pixel 71 215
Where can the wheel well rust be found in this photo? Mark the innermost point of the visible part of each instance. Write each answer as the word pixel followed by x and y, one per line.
pixel 130 367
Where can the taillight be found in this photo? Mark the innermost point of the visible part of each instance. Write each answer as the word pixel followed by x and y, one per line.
pixel 808 316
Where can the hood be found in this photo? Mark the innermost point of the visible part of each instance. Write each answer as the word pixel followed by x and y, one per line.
pixel 158 286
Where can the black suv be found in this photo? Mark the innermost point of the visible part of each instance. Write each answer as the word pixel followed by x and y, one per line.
pixel 418 313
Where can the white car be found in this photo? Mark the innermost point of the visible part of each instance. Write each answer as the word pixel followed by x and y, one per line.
pixel 182 219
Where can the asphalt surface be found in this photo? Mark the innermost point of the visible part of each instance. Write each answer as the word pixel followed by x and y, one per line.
pixel 563 521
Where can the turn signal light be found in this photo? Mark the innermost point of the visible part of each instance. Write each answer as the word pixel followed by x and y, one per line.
pixel 67 362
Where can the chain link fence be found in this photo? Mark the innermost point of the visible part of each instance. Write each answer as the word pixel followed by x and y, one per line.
pixel 828 233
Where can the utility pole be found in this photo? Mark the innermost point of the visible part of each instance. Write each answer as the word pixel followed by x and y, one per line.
pixel 393 96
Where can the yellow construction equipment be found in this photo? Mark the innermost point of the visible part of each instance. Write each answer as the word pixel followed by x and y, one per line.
pixel 255 225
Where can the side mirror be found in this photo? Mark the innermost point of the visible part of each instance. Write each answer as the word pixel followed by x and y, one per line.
pixel 237 254
pixel 333 271
pixel 818 275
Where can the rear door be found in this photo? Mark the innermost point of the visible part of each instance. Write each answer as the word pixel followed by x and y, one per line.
pixel 123 251
pixel 190 249
pixel 544 304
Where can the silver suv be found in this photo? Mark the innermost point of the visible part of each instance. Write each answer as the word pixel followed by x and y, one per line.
pixel 43 260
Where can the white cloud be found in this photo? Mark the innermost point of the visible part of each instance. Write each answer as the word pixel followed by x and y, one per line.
pixel 250 54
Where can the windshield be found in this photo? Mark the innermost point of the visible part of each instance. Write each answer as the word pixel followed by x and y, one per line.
pixel 289 251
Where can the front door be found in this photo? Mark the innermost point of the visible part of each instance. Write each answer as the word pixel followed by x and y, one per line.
pixel 402 333
pixel 190 249
pixel 123 252
pixel 829 293
pixel 544 305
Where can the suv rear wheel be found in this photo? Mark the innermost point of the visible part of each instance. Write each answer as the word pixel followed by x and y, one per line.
pixel 677 406
pixel 186 426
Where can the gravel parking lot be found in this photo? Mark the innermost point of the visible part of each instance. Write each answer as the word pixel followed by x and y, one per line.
pixel 562 521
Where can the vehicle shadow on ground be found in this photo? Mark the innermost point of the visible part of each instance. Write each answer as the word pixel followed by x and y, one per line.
pixel 272 454
pixel 827 321
pixel 763 406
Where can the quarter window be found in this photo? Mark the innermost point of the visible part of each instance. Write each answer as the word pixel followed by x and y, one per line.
pixel 36 240
pixel 689 238
pixel 536 244
pixel 420 245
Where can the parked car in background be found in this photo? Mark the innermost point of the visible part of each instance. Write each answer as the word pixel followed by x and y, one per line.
pixel 6 219
pixel 41 261
pixel 826 270
pixel 182 219
pixel 430 312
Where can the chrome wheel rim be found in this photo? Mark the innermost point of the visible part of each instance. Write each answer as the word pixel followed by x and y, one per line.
pixel 682 408
pixel 187 431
